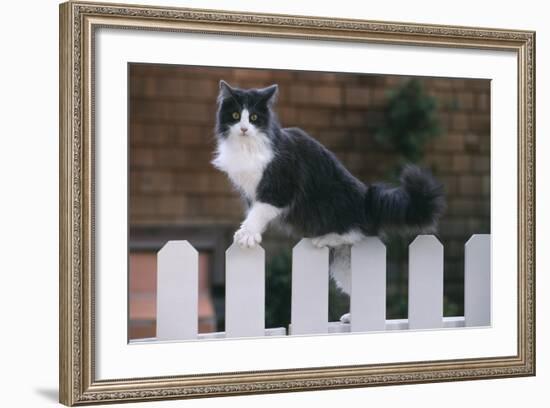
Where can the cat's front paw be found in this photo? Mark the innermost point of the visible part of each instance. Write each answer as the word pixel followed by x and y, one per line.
pixel 246 238
pixel 327 240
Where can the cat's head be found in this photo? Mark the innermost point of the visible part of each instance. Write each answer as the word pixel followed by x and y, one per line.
pixel 245 112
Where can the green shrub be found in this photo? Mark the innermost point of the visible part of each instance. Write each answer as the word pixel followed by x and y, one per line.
pixel 410 120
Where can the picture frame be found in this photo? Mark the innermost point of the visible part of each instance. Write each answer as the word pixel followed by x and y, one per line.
pixel 79 24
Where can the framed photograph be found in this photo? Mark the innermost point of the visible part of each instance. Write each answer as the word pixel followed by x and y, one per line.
pixel 256 203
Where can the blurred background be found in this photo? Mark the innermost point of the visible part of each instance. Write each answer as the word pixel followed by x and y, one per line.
pixel 373 123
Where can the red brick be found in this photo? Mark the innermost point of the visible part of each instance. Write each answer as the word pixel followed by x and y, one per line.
pixel 355 162
pixel 185 88
pixel 486 185
pixel 466 100
pixel 174 205
pixel 445 99
pixel 287 115
pixel 335 139
pixel 151 70
pixel 173 111
pixel 349 119
pixel 142 87
pixel 453 142
pixel 143 205
pixel 202 183
pixel 143 272
pixel 452 227
pixel 263 75
pixel 470 185
pixel 150 181
pixel 483 102
pixel 485 207
pixel 136 86
pixel 461 163
pixel 439 162
pixel 471 142
pixel 142 157
pixel 212 73
pixel 300 94
pixel 379 98
pixel 194 113
pixel 283 75
pixel 480 122
pixel 327 95
pixel 184 158
pixel 485 143
pixel 393 80
pixel 358 97
pixel 481 164
pixel 459 84
pixel 480 84
pixel 460 121
pixel 363 140
pixel 153 135
pixel 194 136
pixel 461 207
pixel 445 120
pixel 318 77
pixel 450 183
pixel 316 95
pixel 313 117
pixel 442 83
pixel 233 207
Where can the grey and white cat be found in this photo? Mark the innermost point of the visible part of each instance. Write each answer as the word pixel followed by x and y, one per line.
pixel 288 177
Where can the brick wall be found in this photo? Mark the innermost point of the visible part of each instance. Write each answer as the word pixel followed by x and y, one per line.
pixel 172 112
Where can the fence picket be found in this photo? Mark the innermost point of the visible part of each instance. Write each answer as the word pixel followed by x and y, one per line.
pixel 244 291
pixel 477 280
pixel 425 283
pixel 309 308
pixel 177 291
pixel 368 285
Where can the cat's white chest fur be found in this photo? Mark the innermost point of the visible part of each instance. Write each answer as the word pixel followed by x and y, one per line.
pixel 244 159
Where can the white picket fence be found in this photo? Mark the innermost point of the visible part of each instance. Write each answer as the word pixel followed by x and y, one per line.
pixel 177 290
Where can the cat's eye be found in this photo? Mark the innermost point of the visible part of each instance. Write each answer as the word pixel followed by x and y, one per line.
pixel 253 117
pixel 236 115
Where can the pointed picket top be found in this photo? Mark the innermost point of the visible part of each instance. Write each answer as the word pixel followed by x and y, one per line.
pixel 477 280
pixel 370 242
pixel 425 283
pixel 177 291
pixel 484 239
pixel 309 309
pixel 426 240
pixel 181 247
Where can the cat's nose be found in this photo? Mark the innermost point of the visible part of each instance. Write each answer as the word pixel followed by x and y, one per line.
pixel 244 129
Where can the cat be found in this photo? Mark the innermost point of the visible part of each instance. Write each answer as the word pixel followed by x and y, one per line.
pixel 288 177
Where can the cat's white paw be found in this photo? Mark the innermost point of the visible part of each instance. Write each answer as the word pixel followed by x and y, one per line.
pixel 246 238
pixel 345 318
pixel 328 240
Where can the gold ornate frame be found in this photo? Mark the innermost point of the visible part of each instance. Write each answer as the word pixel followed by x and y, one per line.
pixel 78 22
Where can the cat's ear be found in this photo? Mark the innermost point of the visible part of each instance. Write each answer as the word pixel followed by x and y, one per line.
pixel 269 94
pixel 225 90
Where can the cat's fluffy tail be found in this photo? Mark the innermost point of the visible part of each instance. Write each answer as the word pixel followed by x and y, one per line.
pixel 413 207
